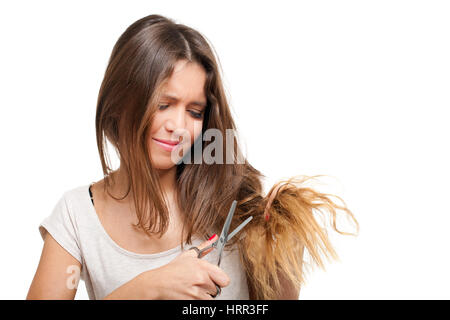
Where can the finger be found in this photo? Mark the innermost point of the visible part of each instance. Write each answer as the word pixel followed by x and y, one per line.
pixel 207 296
pixel 210 289
pixel 204 245
pixel 217 275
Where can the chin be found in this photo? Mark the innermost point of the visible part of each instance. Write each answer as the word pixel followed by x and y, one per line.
pixel 164 167
pixel 163 163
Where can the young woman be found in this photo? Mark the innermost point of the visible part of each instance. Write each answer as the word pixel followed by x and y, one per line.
pixel 125 234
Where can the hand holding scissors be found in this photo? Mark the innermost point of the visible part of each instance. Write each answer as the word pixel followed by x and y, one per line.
pixel 222 240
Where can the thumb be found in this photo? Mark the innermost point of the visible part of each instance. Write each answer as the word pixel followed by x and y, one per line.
pixel 205 245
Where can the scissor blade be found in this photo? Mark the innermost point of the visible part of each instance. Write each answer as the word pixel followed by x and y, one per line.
pixel 226 225
pixel 223 236
pixel 239 227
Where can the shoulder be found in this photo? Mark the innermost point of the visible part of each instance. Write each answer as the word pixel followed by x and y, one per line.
pixel 67 218
pixel 73 203
pixel 76 196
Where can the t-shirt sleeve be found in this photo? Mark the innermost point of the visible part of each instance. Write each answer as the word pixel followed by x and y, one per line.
pixel 62 226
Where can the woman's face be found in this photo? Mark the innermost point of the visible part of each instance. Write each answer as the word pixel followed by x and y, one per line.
pixel 180 110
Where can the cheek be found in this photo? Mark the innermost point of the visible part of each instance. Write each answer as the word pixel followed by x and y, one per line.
pixel 154 125
pixel 196 130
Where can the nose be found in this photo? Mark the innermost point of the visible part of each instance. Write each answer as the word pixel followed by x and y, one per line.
pixel 176 119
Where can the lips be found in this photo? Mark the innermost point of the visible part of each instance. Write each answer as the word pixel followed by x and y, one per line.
pixel 167 145
pixel 169 142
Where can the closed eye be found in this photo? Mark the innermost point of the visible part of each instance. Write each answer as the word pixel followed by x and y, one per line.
pixel 196 115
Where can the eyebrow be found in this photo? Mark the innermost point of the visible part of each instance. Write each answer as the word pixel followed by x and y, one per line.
pixel 173 97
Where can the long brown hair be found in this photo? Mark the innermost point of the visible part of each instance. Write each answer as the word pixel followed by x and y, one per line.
pixel 141 62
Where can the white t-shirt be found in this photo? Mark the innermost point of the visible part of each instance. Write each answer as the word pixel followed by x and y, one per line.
pixel 106 266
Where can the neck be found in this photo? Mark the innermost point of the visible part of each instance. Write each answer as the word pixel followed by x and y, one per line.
pixel 168 185
pixel 167 178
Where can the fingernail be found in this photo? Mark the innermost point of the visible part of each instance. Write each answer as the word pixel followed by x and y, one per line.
pixel 212 236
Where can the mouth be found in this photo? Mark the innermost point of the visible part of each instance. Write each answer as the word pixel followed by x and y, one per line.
pixel 169 142
pixel 166 144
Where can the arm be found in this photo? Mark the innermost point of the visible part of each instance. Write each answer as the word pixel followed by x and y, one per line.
pixel 57 275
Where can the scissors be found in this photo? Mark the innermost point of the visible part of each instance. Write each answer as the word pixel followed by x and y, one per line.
pixel 219 244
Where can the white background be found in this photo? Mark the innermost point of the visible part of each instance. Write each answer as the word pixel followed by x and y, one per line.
pixel 357 90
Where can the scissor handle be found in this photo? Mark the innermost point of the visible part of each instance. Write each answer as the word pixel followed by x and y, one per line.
pixel 199 255
pixel 219 291
pixel 200 252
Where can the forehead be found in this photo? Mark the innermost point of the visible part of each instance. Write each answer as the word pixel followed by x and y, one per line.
pixel 187 82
